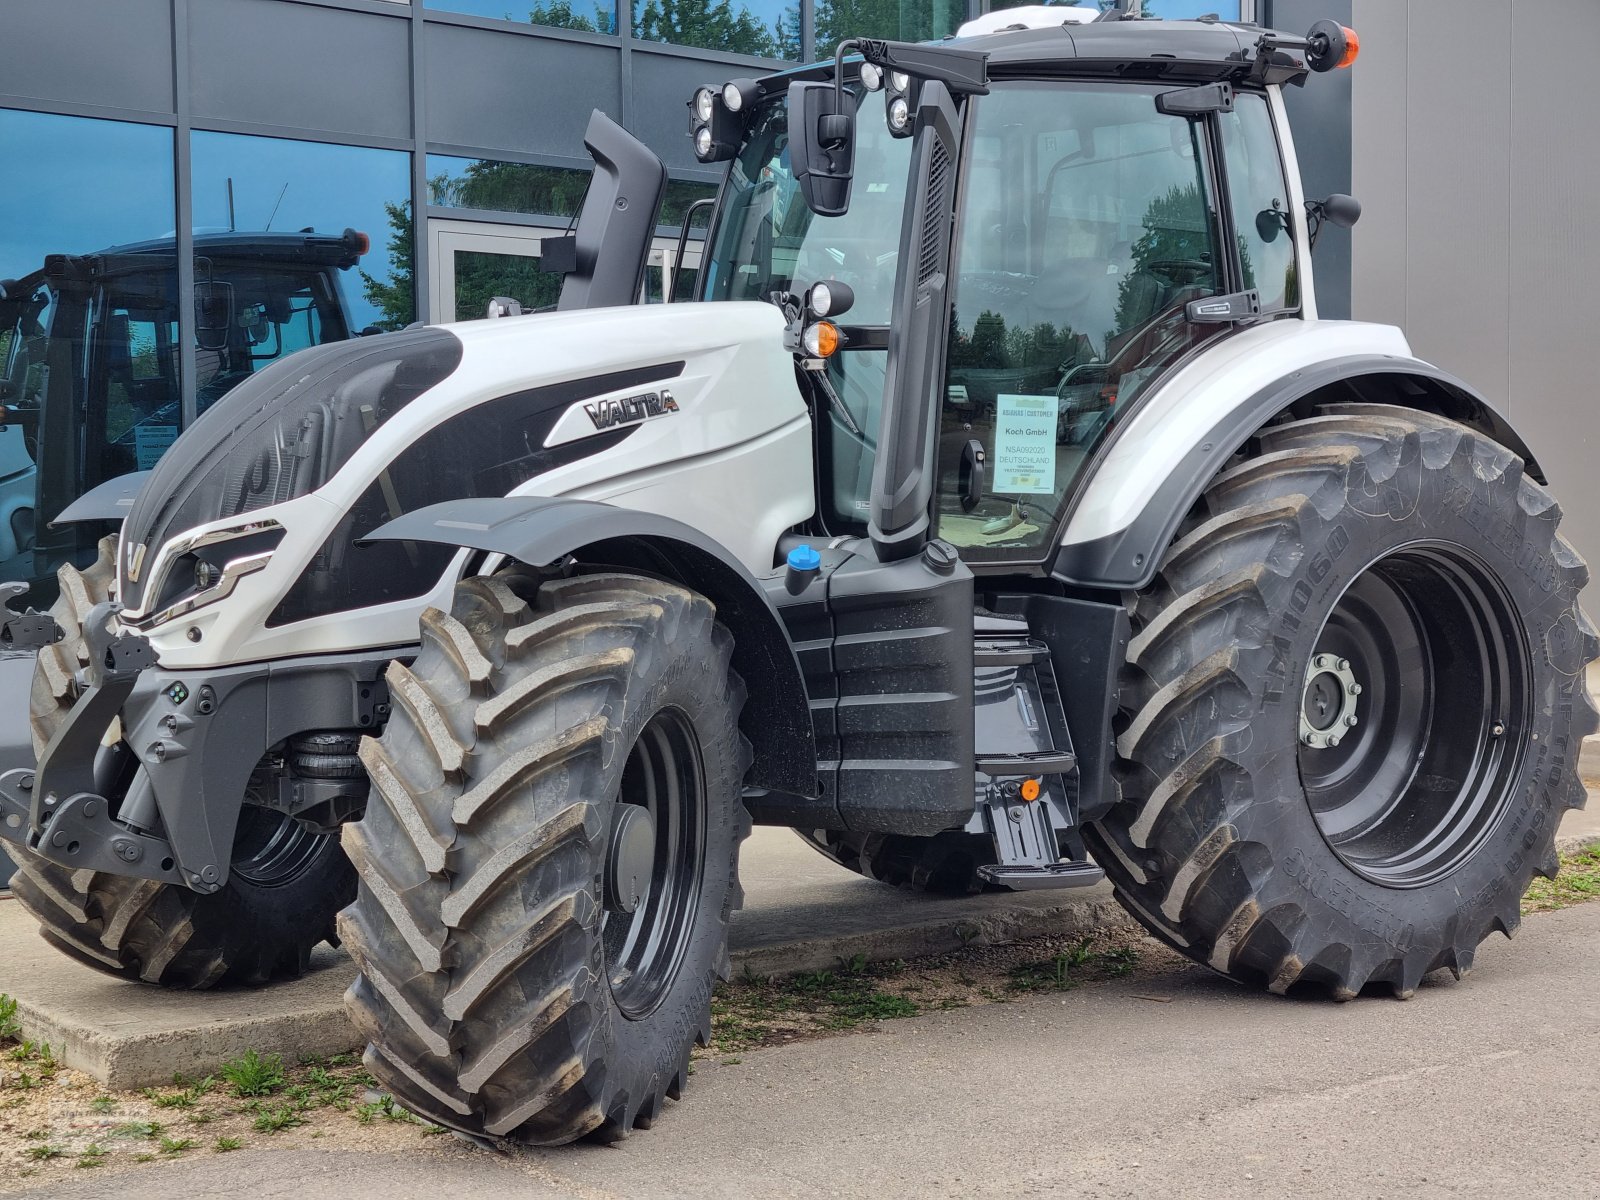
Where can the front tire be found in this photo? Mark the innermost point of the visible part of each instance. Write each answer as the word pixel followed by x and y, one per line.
pixel 505 988
pixel 284 887
pixel 1352 708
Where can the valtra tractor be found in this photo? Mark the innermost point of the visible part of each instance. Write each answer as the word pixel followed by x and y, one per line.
pixel 1001 514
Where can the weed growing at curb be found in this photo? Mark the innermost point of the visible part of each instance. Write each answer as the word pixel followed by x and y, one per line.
pixel 1577 881
pixel 254 1075
pixel 224 1144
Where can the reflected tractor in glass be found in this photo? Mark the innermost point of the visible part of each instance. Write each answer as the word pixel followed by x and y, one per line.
pixel 999 513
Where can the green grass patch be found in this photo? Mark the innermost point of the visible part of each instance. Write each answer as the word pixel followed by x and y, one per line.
pixel 224 1144
pixel 1577 881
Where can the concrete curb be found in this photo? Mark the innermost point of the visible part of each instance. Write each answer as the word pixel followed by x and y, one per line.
pixel 1079 915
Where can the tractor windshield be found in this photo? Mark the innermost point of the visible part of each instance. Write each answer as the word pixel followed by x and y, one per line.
pixel 767 241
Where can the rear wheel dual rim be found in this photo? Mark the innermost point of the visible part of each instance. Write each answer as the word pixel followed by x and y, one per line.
pixel 1415 706
pixel 645 947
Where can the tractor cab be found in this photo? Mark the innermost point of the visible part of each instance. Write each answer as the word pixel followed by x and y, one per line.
pixel 1034 226
pixel 90 360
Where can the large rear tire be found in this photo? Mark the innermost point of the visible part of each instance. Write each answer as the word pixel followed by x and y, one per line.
pixel 1352 708
pixel 283 891
pixel 506 989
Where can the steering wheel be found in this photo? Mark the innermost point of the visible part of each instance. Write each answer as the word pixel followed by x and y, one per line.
pixel 1181 272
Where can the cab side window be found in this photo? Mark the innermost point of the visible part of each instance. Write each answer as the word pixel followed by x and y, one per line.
pixel 1260 199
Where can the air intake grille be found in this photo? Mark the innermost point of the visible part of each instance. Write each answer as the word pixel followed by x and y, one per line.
pixel 933 216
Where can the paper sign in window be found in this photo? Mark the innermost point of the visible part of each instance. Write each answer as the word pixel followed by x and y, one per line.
pixel 1024 445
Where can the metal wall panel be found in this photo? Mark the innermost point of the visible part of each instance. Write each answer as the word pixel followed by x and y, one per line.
pixel 118 53
pixel 1478 164
pixel 528 94
pixel 1319 114
pixel 1380 133
pixel 1554 257
pixel 1458 188
pixel 301 66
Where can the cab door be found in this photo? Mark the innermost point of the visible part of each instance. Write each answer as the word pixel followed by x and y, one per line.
pixel 1089 222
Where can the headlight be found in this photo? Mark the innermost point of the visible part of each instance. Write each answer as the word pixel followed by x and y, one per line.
pixel 871 76
pixel 704 104
pixel 899 81
pixel 703 144
pixel 899 114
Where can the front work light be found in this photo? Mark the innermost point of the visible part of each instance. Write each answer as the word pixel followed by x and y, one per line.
pixel 871 76
pixel 899 114
pixel 704 104
pixel 704 146
pixel 830 298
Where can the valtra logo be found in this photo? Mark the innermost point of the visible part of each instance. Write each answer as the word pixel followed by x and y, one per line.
pixel 630 410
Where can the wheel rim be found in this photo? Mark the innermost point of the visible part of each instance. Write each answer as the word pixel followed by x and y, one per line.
pixel 1414 709
pixel 644 947
pixel 271 849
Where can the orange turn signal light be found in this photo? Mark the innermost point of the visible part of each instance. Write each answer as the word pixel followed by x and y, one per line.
pixel 1352 47
pixel 1030 790
pixel 822 339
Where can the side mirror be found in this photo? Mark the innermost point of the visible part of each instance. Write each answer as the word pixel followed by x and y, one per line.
pixel 822 139
pixel 1341 210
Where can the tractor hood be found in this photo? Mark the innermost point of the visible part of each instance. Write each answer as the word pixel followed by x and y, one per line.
pixel 249 529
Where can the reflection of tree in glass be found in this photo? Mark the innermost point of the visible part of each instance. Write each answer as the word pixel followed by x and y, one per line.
pixel 511 187
pixel 1174 231
pixel 840 19
pixel 713 24
pixel 562 15
pixel 395 297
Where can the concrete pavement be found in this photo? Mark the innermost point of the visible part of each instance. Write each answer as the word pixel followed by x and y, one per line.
pixel 1174 1082
pixel 802 912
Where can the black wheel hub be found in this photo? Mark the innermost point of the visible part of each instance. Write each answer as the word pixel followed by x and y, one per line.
pixel 1416 702
pixel 655 863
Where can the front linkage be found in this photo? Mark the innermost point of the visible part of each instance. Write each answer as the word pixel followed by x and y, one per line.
pixel 201 741
pixel 60 811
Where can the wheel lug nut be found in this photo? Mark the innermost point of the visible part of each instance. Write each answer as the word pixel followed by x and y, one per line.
pixel 1309 739
pixel 1333 739
pixel 1350 721
pixel 1355 689
pixel 1344 664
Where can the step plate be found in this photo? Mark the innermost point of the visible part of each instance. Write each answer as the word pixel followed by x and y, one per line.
pixel 1051 875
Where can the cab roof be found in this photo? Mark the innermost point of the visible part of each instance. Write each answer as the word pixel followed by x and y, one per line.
pixel 1137 49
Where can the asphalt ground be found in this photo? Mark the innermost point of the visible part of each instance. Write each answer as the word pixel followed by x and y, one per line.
pixel 1169 1082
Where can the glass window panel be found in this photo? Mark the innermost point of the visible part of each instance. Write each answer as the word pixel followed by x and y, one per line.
pixel 1168 10
pixel 766 28
pixel 488 183
pixel 681 193
pixel 590 16
pixel 1260 202
pixel 481 275
pixel 1087 231
pixel 274 192
pixel 88 352
pixel 905 20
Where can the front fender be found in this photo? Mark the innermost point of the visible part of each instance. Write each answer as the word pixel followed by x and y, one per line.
pixel 541 530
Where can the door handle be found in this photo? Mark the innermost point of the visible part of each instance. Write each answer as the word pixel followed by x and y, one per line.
pixel 973 459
